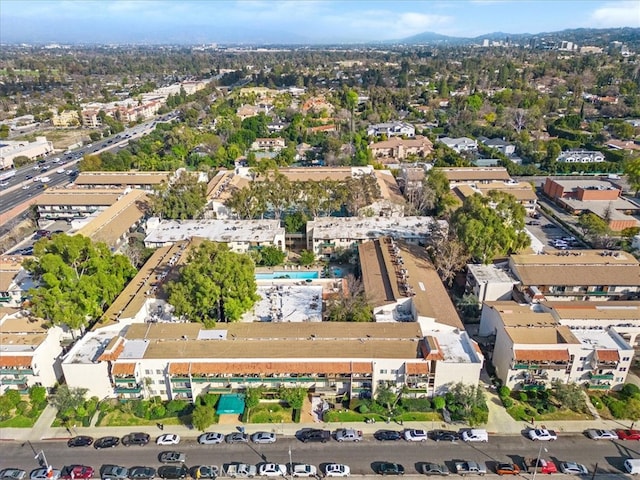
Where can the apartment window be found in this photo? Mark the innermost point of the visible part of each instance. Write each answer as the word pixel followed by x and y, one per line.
pixel 582 359
pixel 152 392
pixel 626 359
pixel 163 392
pixel 159 372
pixel 148 372
pixel 623 369
pixel 620 379
pixel 382 372
pixel 394 371
pixel 580 369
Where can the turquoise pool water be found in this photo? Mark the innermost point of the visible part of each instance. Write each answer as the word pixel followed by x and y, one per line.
pixel 293 275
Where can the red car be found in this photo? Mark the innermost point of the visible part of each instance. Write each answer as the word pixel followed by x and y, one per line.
pixel 628 434
pixel 76 472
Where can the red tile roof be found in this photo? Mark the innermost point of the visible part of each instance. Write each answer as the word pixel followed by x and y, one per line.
pixel 542 355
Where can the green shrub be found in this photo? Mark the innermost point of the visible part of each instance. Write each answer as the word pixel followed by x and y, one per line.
pixel 176 406
pixel 618 408
pixel 629 390
pixel 417 404
pixel 86 421
pixel 363 408
pixel 297 413
pixel 158 411
pixel 507 402
pixel 22 407
pixel 504 392
pixel 551 408
pixel 595 401
pixel 523 397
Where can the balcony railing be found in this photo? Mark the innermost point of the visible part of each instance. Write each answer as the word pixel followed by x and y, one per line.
pixel 130 389
pixel 180 378
pixel 602 376
pixel 16 371
pixel 598 386
pixel 13 380
pixel 128 380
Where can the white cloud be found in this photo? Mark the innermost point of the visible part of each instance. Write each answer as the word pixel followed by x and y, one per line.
pixel 620 14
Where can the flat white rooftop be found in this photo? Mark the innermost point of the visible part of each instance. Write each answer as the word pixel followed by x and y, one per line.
pixel 287 303
pixel 491 273
pixel 225 231
pixel 455 346
pixel 599 339
pixel 89 348
pixel 358 228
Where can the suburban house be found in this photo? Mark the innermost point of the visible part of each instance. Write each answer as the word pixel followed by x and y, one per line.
pixel 580 156
pixel 460 145
pixel 499 144
pixel 399 149
pixel 596 196
pixel 391 129
pixel 532 349
pixel 30 352
pixel 275 144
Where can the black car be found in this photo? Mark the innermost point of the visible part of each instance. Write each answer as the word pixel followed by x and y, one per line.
pixel 173 471
pixel 142 473
pixel 387 435
pixel 113 472
pixel 389 468
pixel 28 177
pixel 106 442
pixel 80 441
pixel 444 435
pixel 315 435
pixel 136 438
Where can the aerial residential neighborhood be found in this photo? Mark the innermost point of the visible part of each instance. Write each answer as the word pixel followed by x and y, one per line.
pixel 307 234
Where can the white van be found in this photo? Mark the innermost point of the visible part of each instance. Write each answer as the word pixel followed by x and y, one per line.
pixel 632 466
pixel 475 435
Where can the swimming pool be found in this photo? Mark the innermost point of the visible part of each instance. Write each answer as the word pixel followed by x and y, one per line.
pixel 292 275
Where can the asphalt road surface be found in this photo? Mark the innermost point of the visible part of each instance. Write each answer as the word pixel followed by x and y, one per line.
pixel 609 455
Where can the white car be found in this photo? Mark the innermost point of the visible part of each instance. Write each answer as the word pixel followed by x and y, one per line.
pixel 303 470
pixel 263 437
pixel 573 468
pixel 60 170
pixel 272 470
pixel 41 474
pixel 597 434
pixel 210 438
pixel 337 470
pixel 413 435
pixel 475 435
pixel 168 439
pixel 4 184
pixel 25 187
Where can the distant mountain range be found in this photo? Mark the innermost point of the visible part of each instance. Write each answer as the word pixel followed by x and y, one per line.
pixel 582 36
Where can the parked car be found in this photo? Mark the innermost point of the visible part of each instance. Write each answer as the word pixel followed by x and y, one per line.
pixel 337 470
pixel 389 468
pixel 628 434
pixel 106 442
pixel 142 473
pixel 314 435
pixel 81 472
pixel 540 465
pixel 80 441
pixel 272 470
pixel 413 435
pixel 44 474
pixel 173 472
pixel 113 472
pixel 444 435
pixel 303 470
pixel 475 435
pixel 597 434
pixel 263 437
pixel 168 439
pixel 172 457
pixel 210 438
pixel 573 468
pixel 237 437
pixel 240 470
pixel 507 469
pixel 137 438
pixel 204 472
pixel 434 469
pixel 542 434
pixel 387 435
pixel 12 474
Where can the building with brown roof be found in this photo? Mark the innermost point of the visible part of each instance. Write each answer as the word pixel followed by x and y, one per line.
pixel 398 149
pixel 474 175
pixel 580 275
pixel 140 180
pixel 65 203
pixel 30 353
pixel 533 349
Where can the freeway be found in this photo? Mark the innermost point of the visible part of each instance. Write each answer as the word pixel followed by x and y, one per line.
pixel 609 455
pixel 23 186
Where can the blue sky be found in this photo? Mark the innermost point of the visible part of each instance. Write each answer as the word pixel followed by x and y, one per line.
pixel 304 21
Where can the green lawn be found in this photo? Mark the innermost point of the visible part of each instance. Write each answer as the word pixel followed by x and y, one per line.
pixel 118 418
pixel 518 413
pixel 271 413
pixel 19 421
pixel 339 416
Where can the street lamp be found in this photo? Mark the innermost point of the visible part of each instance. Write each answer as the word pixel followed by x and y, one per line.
pixel 290 463
pixel 536 466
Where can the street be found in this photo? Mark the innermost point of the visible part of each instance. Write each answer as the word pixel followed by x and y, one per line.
pixel 609 455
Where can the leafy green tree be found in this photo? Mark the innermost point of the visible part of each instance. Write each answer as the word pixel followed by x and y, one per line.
pixel 439 403
pixel 632 171
pixel 77 279
pixel 6 407
pixel 271 256
pixel 592 225
pixel 183 199
pixel 386 397
pixel 436 193
pixel 474 102
pixel 215 285
pixel 307 257
pixel 13 397
pixel 469 402
pixel 293 396
pixel 21 161
pixel 350 306
pixel 4 131
pixel 252 396
pixel 569 395
pixel 295 222
pixel 202 417
pixel 67 400
pixel 37 396
pixel 490 226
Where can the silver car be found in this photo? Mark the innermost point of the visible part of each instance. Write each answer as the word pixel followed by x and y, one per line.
pixel 113 472
pixel 263 437
pixel 210 438
pixel 12 474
